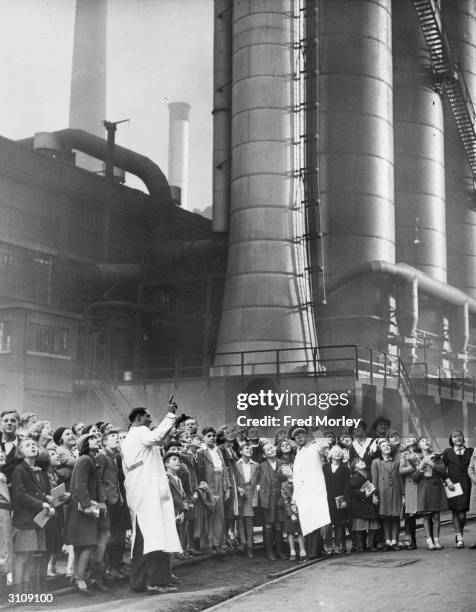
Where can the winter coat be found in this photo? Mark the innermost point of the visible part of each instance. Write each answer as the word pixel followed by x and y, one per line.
pixel 29 488
pixel 457 468
pixel 81 528
pixel 386 480
pixel 361 506
pixel 409 461
pixel 337 485
pixel 431 496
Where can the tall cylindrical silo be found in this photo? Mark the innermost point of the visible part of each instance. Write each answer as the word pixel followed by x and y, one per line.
pixel 420 215
pixel 356 163
pixel 262 302
pixel 419 149
pixel 460 21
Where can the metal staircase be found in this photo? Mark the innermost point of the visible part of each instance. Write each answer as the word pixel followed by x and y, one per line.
pixel 110 396
pixel 448 76
pixel 420 424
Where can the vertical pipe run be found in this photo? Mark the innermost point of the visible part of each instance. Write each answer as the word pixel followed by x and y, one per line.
pixel 222 73
pixel 311 177
pixel 178 148
pixel 261 306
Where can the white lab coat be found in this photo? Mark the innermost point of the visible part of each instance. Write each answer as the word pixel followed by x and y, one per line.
pixel 147 488
pixel 310 492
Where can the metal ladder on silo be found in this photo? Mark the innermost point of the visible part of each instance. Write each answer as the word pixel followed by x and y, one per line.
pixel 449 77
pixel 307 166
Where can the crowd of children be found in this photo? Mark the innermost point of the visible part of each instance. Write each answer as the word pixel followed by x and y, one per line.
pixel 63 490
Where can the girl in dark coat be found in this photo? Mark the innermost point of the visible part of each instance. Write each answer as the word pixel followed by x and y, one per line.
pixel 47 460
pixel 386 480
pixel 87 501
pixel 337 478
pixel 363 511
pixel 457 459
pixel 30 495
pixel 431 496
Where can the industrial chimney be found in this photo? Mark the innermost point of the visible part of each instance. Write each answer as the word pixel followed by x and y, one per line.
pixel 88 80
pixel 179 113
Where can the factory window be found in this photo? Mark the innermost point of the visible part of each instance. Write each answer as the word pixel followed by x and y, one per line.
pixel 25 273
pixel 48 339
pixel 5 337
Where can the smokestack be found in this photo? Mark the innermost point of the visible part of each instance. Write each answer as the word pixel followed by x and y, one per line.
pixel 178 148
pixel 88 80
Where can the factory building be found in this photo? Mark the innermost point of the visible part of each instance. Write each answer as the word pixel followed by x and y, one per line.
pixel 342 253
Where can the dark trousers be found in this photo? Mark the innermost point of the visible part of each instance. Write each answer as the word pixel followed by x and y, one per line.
pixel 314 544
pixel 152 569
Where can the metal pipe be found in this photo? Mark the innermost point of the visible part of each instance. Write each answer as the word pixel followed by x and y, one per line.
pixel 222 77
pixel 426 284
pixel 165 255
pixel 127 160
pixel 179 148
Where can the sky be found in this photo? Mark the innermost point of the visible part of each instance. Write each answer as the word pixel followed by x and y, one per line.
pixel 158 51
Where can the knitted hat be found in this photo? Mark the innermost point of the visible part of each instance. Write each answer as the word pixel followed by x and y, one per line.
pixel 58 434
pixel 81 441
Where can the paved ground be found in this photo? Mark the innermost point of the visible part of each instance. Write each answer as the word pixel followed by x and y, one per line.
pixel 437 581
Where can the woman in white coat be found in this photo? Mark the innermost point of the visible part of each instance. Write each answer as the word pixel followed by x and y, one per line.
pixel 154 531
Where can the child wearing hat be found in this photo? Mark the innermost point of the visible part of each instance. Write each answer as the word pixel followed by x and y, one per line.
pixel 173 465
pixel 291 517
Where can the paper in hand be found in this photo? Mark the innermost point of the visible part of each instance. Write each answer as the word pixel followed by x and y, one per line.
pixel 56 493
pixel 41 518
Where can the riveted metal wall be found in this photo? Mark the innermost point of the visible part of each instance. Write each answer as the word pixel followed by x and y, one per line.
pixel 419 149
pixel 261 306
pixel 356 161
pixel 460 21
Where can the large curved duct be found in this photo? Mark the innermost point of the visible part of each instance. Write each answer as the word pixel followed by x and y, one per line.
pixel 419 149
pixel 356 161
pixel 262 303
pixel 460 21
pixel 405 273
pixel 127 160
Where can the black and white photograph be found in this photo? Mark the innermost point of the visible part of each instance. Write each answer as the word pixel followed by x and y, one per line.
pixel 237 305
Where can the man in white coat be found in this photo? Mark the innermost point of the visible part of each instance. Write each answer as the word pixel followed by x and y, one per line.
pixel 154 531
pixel 310 494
